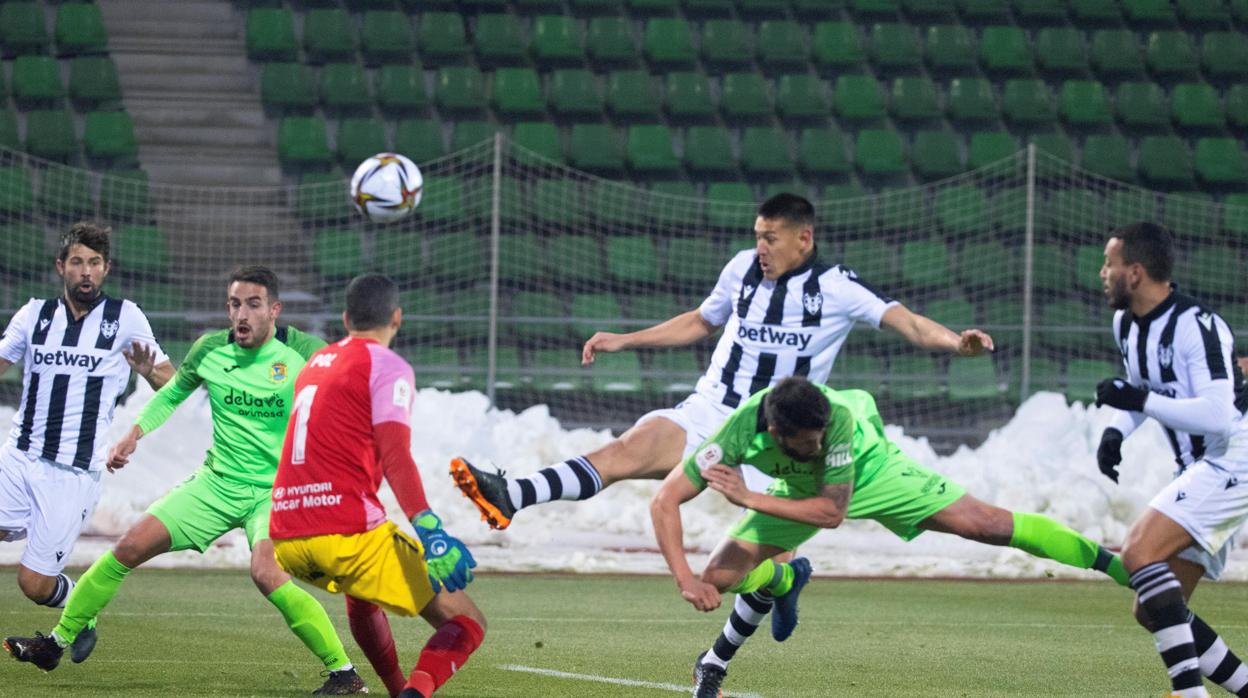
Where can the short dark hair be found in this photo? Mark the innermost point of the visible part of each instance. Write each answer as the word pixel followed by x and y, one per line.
pixel 87 234
pixel 262 276
pixel 1150 245
pixel 790 207
pixel 795 405
pixel 371 300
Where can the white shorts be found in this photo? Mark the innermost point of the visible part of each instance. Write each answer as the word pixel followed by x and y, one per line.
pixel 700 417
pixel 47 503
pixel 1210 501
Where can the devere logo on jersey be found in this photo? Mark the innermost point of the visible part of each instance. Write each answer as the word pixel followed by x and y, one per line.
pixel 61 357
pixel 767 335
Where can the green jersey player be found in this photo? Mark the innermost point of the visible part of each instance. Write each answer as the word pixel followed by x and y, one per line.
pixel 249 371
pixel 829 460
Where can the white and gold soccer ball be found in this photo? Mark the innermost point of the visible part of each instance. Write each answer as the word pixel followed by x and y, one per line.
pixel 386 187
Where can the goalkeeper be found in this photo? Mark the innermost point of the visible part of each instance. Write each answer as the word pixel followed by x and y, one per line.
pixel 830 460
pixel 249 371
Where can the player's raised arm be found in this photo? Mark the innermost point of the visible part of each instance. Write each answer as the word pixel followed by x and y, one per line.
pixel 679 331
pixel 677 489
pixel 926 333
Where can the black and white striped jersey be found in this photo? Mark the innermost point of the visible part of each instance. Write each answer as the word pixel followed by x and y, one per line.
pixel 794 325
pixel 1182 353
pixel 74 375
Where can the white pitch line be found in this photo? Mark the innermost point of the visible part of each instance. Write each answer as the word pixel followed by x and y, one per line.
pixel 618 682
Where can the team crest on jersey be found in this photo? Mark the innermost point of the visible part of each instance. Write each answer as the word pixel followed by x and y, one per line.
pixel 812 302
pixel 711 455
pixel 277 372
pixel 838 456
pixel 1165 356
pixel 109 328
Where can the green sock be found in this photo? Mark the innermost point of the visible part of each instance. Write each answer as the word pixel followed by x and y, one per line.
pixel 774 578
pixel 1044 537
pixel 309 621
pixel 95 589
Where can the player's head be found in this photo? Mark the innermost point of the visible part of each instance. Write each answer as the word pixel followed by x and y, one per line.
pixel 254 305
pixel 373 306
pixel 83 261
pixel 784 234
pixel 797 416
pixel 1136 255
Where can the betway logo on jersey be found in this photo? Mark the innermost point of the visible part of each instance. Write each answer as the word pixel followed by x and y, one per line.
pixel 61 357
pixel 767 335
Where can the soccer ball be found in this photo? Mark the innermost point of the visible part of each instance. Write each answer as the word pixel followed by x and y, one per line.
pixel 386 187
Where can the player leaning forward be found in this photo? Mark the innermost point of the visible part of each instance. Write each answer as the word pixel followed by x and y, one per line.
pixel 78 350
pixel 830 460
pixel 351 426
pixel 1181 372
pixel 249 371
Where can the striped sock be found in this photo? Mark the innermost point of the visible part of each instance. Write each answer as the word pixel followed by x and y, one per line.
pixel 1217 661
pixel 747 612
pixel 572 479
pixel 1159 594
pixel 60 592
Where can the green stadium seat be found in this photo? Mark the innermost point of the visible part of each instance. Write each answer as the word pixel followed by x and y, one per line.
pixel 22 29
pixel 616 373
pixel 1081 212
pixel 708 150
pixel 730 204
pixel 610 41
pixel 821 152
pixel 875 261
pixel 973 379
pixel 285 86
pixel 560 201
pixel 674 371
pixel 984 11
pixel 765 151
pixel 443 202
pixel 1220 162
pixel 337 253
pixel 668 42
pixel 517 93
pixel 837 45
pixel 328 35
pixel 651 149
pixel 556 39
pixel 859 98
pixel 580 256
pixel 8 130
pixel 1215 270
pixel 1052 268
pixel 869 8
pixel 441 37
pixel 632 259
pixel 781 45
pixel 1004 50
pixel 1083 375
pixel 1203 11
pixel 540 137
pixel 616 203
pixel 1171 54
pixel 596 147
pixel 593 312
pixel 761 8
pixel 692 261
pixel 470 132
pixel 962 210
pixel 914 99
pixel 1129 205
pixel 518 256
pixel 914 378
pixel 125 194
pixel 1166 161
pixel 1008 210
pixel 1237 105
pixel 419 139
pixel 593 6
pixel 1040 11
pixel 1224 55
pixel 1149 12
pixel 401 88
pixel 1142 105
pixel 454 256
pixel 554 370
pixel 270 34
pixel 80 29
pixel 301 141
pixel 1027 102
pixel 971 100
pixel 1061 50
pixel 420 303
pixel 533 6
pixel 987 147
pixel 21 250
pixel 802 97
pixel 950 47
pixel 1116 52
pixel 437 367
pixel 743 97
pixel 925 263
pixel 1003 319
pixel 1088 262
pixel 359 138
pixel 143 249
pixel 460 89
pixel 1094 11
pixel 1108 156
pixel 50 134
pixel 499 39
pixel 904 210
pixel 633 96
pixel 574 93
pixel 1084 104
pixel 1192 214
pixel 1195 105
pixel 653 7
pixel 689 97
pixel 726 44
pixel 386 37
pixel 988 267
pixel 1235 220
pixel 855 371
pixel 1055 144
pixel 344 88
pixel 846 207
pixel 65 191
pixel 880 152
pixel 929 10
pixel 955 313
pixel 936 155
pixel 674 203
pixel 319 197
pixel 37 80
pixel 894 46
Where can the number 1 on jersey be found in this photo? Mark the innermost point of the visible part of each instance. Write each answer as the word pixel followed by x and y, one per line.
pixel 303 410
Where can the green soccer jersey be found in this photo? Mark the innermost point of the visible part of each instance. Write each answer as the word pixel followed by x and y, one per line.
pixel 250 391
pixel 854 446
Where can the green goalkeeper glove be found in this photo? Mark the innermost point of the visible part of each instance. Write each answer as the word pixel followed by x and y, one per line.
pixel 448 560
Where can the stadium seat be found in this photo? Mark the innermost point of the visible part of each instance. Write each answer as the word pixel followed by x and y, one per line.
pixel 802 97
pixel 548 306
pixel 668 42
pixel 1108 156
pixel 1083 375
pixel 1084 104
pixel 1088 261
pixel 955 313
pixel 541 137
pixel 936 154
pixel 633 96
pixel 1055 144
pixel 337 253
pixel 1220 162
pixel 1131 205
pixel 1061 50
pixel 1192 215
pixel 781 45
pixel 821 152
pixel 1008 210
pixel 874 261
pixel 1052 268
pixel 914 99
pixel 581 257
pixel 693 262
pixel 1090 12
pixel 632 259
pixel 984 11
pixel 880 152
pixel 556 39
pixel 761 9
pixel 1027 102
pixel 1215 270
pixel 1166 161
pixel 143 249
pixel 1116 52
pixel 674 371
pixel 328 35
pixel 401 88
pixel 460 89
pixel 359 138
pixel 596 147
pixel 1004 49
pixel 925 263
pixel 499 39
pixel 468 133
pixel 21 250
pixel 675 202
pixel 743 97
pixel 80 29
pixel 517 93
pixel 1142 106
pixel 344 88
pixel 420 303
pixel 904 210
pixel 929 10
pixel 440 367
pixel 651 149
pixel 1237 105
pixel 837 46
pixel 65 191
pixel 1171 54
pixel 519 255
pixel 610 41
pixel 861 372
pixel 914 378
pixel 50 134
pixel 22 29
pixel 441 38
pixel 8 130
pixel 1224 55
pixel 950 47
pixel 592 6
pixel 1203 11
pixel 616 203
pixel 37 81
pixel 386 37
pixel 868 8
pixel 444 202
pixel 532 6
pixel 1044 12
pixel 560 201
pixel 319 197
pixel 1081 212
pixel 301 141
pixel 454 256
pixel 689 97
pixel 971 100
pixel 1235 220
pixel 846 207
pixel 859 98
pixel 962 210
pixel 1195 106
pixel 652 7
pixel 973 379
pixel 419 139
pixel 125 194
pixel 285 86
pixel 988 267
pixel 765 151
pixel 729 204
pixel 708 150
pixel 726 44
pixel 987 147
pixel 574 93
pixel 594 312
pixel 894 47
pixel 1149 12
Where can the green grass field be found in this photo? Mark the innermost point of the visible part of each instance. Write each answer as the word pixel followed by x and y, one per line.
pixel 209 632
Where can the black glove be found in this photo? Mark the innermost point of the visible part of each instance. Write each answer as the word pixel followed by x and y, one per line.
pixel 1109 453
pixel 1116 392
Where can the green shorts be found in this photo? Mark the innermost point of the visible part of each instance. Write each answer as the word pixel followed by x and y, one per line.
pixel 901 495
pixel 207 506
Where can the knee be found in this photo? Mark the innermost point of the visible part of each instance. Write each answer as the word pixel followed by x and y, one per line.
pixel 720 578
pixel 1134 558
pixel 267 577
pixel 130 552
pixel 35 586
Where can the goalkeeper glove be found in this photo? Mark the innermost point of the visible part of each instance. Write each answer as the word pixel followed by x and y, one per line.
pixel 1109 453
pixel 1116 392
pixel 447 559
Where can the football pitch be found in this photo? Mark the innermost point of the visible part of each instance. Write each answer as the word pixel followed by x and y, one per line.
pixel 208 632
